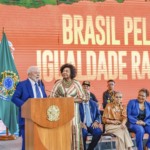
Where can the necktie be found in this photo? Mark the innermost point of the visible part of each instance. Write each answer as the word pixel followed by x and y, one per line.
pixel 88 120
pixel 38 94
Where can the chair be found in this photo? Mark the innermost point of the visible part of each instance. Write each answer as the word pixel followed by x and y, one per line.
pixel 133 136
pixel 89 139
pixel 108 137
pixel 105 137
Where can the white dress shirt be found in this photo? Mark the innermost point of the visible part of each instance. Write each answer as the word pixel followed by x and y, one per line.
pixel 85 119
pixel 33 88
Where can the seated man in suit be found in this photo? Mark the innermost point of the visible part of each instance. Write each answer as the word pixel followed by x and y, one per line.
pixel 90 122
pixel 25 90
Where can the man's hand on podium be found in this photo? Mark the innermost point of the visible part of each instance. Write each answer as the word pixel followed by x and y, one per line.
pixel 78 100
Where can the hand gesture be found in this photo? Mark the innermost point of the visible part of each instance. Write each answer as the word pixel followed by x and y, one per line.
pixel 95 125
pixel 123 126
pixel 83 125
pixel 140 122
pixel 116 122
pixel 78 100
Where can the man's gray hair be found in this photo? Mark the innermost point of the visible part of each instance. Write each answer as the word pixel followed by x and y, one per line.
pixel 32 68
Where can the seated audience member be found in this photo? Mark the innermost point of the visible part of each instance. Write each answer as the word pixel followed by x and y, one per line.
pixel 139 117
pixel 115 118
pixel 86 86
pixel 108 95
pixel 90 122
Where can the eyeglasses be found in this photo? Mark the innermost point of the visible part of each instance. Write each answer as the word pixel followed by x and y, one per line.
pixel 118 96
pixel 141 95
pixel 111 84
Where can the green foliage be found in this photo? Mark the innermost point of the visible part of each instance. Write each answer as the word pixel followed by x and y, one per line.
pixel 38 3
pixel 120 1
pixel 29 3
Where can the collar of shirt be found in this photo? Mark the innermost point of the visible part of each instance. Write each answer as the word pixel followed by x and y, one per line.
pixel 33 88
pixel 32 82
pixel 86 103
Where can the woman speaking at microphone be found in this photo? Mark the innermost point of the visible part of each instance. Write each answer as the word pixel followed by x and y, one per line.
pixel 69 87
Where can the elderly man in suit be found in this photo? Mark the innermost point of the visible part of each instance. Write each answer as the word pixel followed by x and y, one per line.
pixel 28 89
pixel 86 86
pixel 90 122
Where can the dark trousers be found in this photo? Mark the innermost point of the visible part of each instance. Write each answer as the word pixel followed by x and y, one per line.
pixel 140 131
pixel 96 134
pixel 22 131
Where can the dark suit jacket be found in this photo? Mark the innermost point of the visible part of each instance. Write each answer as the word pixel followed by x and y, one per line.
pixel 22 94
pixel 95 112
pixel 93 97
pixel 107 98
pixel 133 111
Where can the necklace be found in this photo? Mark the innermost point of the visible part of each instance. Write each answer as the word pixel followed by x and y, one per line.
pixel 67 84
pixel 116 108
pixel 142 106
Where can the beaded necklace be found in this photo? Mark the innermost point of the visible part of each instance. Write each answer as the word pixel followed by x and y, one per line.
pixel 118 108
pixel 67 84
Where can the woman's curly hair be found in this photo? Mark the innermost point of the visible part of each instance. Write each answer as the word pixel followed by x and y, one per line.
pixel 73 70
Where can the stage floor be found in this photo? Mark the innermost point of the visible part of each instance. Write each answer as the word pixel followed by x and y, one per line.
pixel 11 144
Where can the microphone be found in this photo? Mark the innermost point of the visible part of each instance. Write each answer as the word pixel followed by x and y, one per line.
pixel 40 83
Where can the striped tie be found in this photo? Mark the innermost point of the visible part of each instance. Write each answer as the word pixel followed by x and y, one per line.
pixel 38 94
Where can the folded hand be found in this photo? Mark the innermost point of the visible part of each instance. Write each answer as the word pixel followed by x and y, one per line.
pixel 95 125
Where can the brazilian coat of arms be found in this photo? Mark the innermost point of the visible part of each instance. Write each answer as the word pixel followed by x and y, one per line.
pixel 8 82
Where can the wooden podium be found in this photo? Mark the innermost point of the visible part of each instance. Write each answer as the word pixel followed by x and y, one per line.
pixel 48 123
